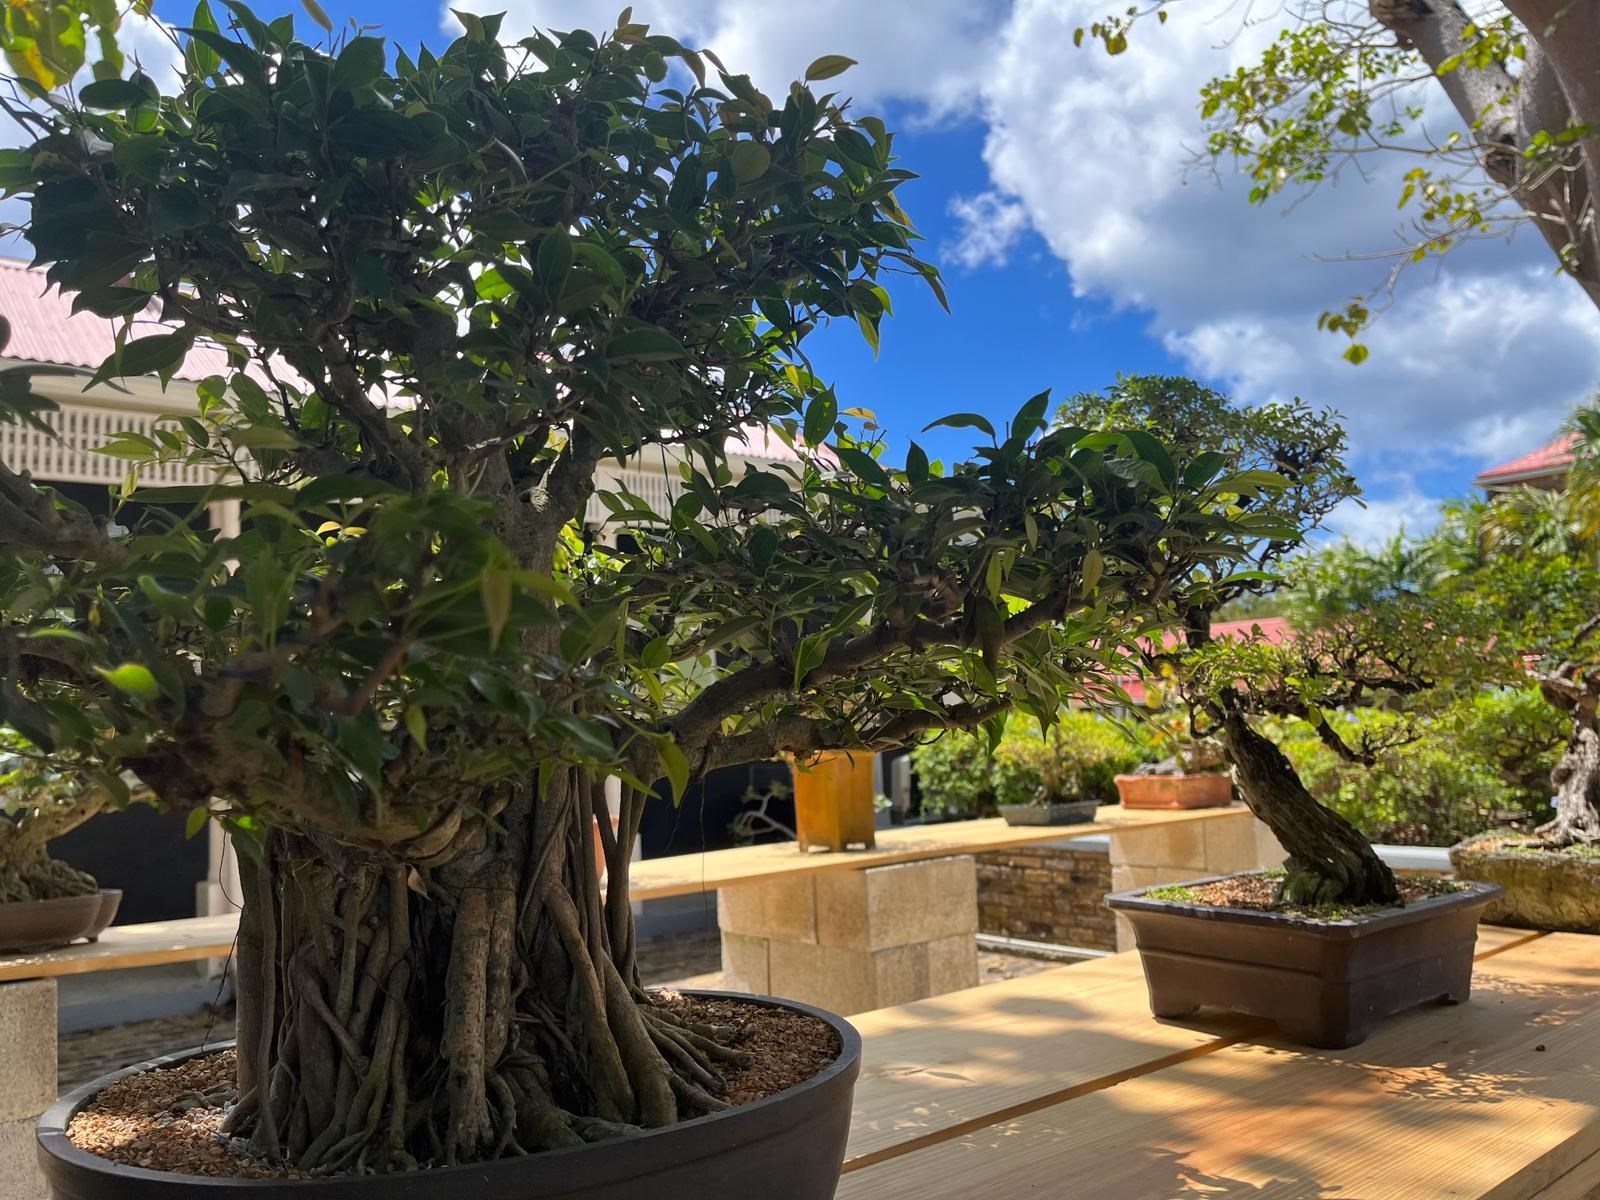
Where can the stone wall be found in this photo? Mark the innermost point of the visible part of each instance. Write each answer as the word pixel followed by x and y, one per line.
pixel 27 1081
pixel 1047 894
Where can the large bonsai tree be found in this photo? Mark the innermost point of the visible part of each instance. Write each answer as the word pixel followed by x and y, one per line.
pixel 1377 649
pixel 450 288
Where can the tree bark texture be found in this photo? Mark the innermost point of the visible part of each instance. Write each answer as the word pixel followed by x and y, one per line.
pixel 1329 861
pixel 482 1004
pixel 1576 775
pixel 1558 88
pixel 27 872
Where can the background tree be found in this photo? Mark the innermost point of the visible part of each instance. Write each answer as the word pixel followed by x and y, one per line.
pixel 450 289
pixel 1346 80
pixel 1328 859
pixel 1359 642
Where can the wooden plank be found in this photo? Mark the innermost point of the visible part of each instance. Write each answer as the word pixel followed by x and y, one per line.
pixel 130 946
pixel 685 874
pixel 937 1067
pixel 1494 1100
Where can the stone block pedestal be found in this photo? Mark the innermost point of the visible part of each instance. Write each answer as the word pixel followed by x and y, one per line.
pixel 1172 853
pixel 854 940
pixel 27 1081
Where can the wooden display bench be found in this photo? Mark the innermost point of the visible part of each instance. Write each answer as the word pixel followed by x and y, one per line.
pixel 1061 1083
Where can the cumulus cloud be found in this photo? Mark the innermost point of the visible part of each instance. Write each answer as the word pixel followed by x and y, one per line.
pixel 988 228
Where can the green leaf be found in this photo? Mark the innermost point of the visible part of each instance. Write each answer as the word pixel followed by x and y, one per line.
pixel 963 421
pixel 153 354
pixel 196 820
pixel 674 765
pixel 648 344
pixel 821 414
pixel 863 465
pixel 1154 453
pixel 916 464
pixel 1094 566
pixel 417 725
pixel 828 66
pixel 494 588
pixel 113 95
pixel 750 160
pixel 1355 353
pixel 132 678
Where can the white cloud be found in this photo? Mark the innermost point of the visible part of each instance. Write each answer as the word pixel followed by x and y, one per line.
pixel 1374 523
pixel 990 227
pixel 1469 365
pixel 932 54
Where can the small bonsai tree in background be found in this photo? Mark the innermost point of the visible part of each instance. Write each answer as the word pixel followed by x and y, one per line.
pixel 36 807
pixel 449 289
pixel 1353 647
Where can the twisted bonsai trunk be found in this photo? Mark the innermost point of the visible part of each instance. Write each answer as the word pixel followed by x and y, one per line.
pixel 1576 775
pixel 27 872
pixel 1329 861
pixel 478 1004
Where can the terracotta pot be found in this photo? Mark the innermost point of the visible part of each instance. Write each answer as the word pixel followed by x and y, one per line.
pixel 787 1147
pixel 1543 889
pixel 1175 791
pixel 34 925
pixel 1073 812
pixel 1326 983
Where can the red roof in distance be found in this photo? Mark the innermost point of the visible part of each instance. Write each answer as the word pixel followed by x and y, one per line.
pixel 1552 458
pixel 44 329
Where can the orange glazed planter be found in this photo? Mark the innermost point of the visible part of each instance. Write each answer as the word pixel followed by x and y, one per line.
pixel 833 801
pixel 1209 790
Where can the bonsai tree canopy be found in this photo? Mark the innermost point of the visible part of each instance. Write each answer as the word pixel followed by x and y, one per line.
pixel 449 288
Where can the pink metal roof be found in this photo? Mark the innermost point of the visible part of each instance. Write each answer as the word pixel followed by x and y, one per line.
pixel 1549 459
pixel 45 329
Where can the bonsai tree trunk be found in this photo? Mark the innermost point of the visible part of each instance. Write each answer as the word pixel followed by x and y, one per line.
pixel 1329 861
pixel 458 1006
pixel 1576 775
pixel 27 872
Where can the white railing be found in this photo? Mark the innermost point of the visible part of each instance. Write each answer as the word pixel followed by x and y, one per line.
pixel 654 488
pixel 69 457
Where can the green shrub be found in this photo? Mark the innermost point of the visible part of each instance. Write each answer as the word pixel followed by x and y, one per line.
pixel 1076 759
pixel 1482 763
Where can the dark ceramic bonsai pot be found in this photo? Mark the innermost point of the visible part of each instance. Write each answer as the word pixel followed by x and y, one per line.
pixel 28 926
pixel 1326 983
pixel 1543 889
pixel 1073 812
pixel 787 1147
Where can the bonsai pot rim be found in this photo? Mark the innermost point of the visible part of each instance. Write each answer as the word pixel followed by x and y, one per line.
pixel 1358 925
pixel 598 1165
pixel 1061 812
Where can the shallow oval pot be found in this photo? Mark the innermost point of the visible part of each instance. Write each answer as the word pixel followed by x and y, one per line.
pixel 1326 983
pixel 1073 812
pixel 1542 889
pixel 30 926
pixel 787 1147
pixel 1207 790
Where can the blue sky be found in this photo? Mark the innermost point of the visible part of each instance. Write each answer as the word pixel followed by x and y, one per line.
pixel 1054 193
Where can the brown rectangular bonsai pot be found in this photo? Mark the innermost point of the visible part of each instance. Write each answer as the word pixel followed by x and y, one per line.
pixel 1326 983
pixel 1207 790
